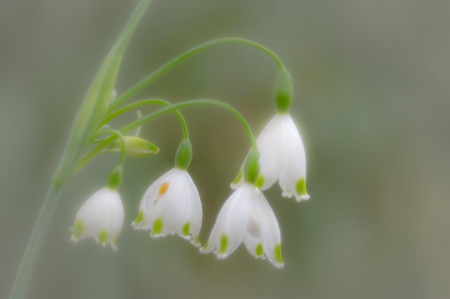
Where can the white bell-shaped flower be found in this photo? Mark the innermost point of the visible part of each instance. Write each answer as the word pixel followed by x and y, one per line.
pixel 246 217
pixel 282 157
pixel 100 217
pixel 171 205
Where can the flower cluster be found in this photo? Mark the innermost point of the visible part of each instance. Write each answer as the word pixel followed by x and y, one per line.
pixel 172 205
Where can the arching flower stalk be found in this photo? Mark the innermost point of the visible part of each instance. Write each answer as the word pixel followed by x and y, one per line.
pixel 172 204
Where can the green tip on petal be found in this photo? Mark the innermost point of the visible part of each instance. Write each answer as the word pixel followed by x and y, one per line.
pixel 259 181
pixel 277 252
pixel 78 230
pixel 158 226
pixel 223 245
pixel 114 242
pixel 259 250
pixel 197 241
pixel 186 229
pixel 103 237
pixel 238 177
pixel 300 187
pixel 140 217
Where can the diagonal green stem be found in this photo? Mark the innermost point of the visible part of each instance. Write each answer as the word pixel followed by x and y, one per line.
pixel 122 110
pixel 137 123
pixel 92 110
pixel 176 61
pixel 19 290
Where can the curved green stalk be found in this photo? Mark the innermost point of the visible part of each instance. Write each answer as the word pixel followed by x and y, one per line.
pixel 122 140
pixel 176 61
pixel 137 123
pixel 122 110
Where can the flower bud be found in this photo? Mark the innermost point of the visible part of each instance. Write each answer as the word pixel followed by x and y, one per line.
pixel 136 147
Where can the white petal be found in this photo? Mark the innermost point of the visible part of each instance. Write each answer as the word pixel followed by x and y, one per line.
pixel 269 146
pixel 147 205
pixel 293 173
pixel 152 192
pixel 230 227
pixel 195 208
pixel 116 214
pixel 270 231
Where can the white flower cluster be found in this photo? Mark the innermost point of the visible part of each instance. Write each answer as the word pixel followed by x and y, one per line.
pixel 172 203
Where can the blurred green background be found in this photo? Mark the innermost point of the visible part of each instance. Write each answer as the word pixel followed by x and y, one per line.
pixel 372 103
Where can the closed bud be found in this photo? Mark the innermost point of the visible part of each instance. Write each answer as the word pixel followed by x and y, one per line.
pixel 136 147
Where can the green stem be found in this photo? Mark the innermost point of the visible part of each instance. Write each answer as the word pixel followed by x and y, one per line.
pixel 122 110
pixel 176 61
pixel 122 140
pixel 137 123
pixel 19 290
pixel 91 111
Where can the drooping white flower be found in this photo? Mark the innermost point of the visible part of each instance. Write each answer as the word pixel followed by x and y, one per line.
pixel 246 217
pixel 282 157
pixel 100 217
pixel 171 205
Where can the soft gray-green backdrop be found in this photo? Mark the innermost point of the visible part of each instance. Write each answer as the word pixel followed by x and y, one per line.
pixel 372 84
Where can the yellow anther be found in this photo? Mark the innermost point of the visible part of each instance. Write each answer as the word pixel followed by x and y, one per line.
pixel 163 189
